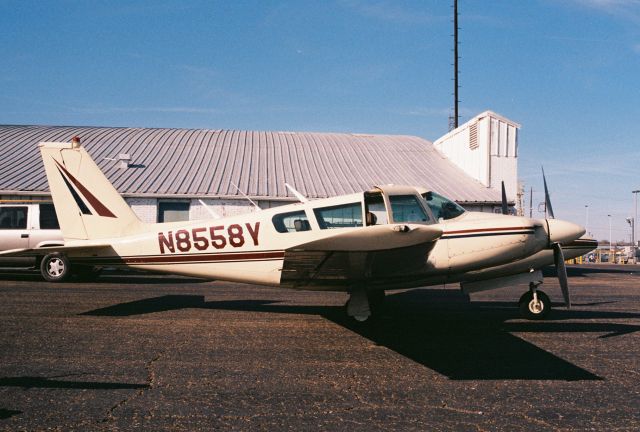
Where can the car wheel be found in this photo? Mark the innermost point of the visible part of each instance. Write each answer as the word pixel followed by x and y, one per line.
pixel 55 267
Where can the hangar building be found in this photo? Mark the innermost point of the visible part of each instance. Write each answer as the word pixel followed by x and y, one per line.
pixel 166 174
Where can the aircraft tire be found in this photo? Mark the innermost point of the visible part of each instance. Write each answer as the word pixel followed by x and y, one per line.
pixel 355 319
pixel 531 311
pixel 55 267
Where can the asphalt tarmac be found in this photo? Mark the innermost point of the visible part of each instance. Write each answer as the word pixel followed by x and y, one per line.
pixel 158 353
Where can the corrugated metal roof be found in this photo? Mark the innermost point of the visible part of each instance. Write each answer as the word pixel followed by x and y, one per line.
pixel 202 162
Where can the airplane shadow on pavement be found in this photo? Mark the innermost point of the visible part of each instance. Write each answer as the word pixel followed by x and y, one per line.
pixel 6 413
pixel 440 329
pixel 52 383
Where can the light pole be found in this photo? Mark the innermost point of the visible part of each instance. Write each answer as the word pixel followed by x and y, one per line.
pixel 635 223
pixel 586 222
pixel 609 216
pixel 630 221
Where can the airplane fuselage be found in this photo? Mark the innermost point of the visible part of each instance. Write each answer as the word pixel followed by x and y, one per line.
pixel 249 248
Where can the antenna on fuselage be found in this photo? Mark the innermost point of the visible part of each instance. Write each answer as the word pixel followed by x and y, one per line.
pixel 245 195
pixel 211 211
pixel 301 198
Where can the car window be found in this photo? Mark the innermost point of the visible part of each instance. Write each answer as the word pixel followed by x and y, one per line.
pixel 291 222
pixel 13 217
pixel 48 217
pixel 340 216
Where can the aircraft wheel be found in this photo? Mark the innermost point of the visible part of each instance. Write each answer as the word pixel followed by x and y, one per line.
pixel 361 318
pixel 55 267
pixel 533 310
pixel 357 318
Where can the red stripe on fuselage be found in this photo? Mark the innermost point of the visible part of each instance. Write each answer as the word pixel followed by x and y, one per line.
pixel 187 258
pixel 480 230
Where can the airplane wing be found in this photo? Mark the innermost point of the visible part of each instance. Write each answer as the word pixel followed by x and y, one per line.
pixel 372 253
pixel 74 250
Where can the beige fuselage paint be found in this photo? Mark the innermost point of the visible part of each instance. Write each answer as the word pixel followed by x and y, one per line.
pixel 248 248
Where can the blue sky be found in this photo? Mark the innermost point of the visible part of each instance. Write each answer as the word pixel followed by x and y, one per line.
pixel 567 70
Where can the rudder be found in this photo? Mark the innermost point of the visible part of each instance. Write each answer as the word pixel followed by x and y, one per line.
pixel 87 204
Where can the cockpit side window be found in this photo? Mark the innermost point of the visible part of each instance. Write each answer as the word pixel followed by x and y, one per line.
pixel 291 222
pixel 376 211
pixel 441 207
pixel 407 208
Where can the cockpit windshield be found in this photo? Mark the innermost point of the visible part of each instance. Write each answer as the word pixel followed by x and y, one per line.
pixel 442 207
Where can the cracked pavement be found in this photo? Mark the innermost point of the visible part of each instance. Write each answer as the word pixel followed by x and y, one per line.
pixel 158 353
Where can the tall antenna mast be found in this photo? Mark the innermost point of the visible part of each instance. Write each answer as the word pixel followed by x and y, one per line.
pixel 456 115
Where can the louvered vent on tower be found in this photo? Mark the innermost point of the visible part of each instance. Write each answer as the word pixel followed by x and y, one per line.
pixel 473 136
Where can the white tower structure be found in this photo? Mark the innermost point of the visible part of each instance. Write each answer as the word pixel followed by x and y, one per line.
pixel 486 149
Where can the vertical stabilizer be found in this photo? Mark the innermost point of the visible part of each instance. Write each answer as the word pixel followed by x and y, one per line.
pixel 87 204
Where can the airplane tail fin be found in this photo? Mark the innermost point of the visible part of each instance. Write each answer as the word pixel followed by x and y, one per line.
pixel 87 204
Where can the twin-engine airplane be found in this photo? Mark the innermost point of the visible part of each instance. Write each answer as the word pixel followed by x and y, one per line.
pixel 386 238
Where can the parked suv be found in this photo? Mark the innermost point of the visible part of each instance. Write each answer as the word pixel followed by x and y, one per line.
pixel 27 224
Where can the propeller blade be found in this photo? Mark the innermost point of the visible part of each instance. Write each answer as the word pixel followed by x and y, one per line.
pixel 505 206
pixel 561 269
pixel 547 199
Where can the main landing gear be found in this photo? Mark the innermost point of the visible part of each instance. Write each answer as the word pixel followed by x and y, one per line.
pixel 534 304
pixel 363 304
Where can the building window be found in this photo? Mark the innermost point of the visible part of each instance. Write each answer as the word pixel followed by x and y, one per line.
pixel 13 218
pixel 291 222
pixel 340 216
pixel 173 211
pixel 48 217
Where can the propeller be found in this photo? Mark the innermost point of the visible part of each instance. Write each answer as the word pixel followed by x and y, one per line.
pixel 561 270
pixel 505 206
pixel 558 256
pixel 547 200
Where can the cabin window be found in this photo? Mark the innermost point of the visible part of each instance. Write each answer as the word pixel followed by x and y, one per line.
pixel 340 216
pixel 13 218
pixel 407 208
pixel 441 207
pixel 173 211
pixel 291 222
pixel 48 217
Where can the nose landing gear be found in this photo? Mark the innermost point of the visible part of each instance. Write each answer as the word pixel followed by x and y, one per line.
pixel 534 304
